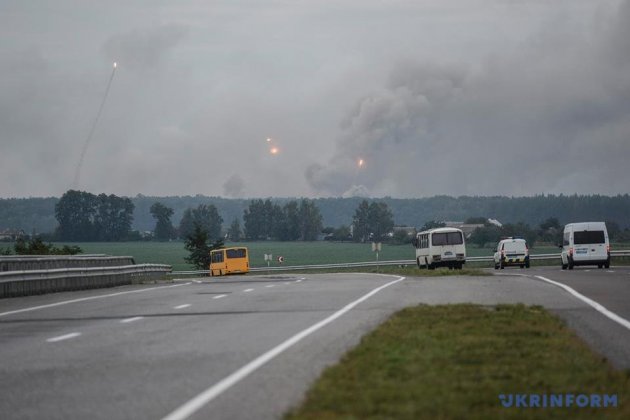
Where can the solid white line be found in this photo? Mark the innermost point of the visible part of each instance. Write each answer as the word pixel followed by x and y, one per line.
pixel 63 337
pixel 34 308
pixel 185 305
pixel 248 290
pixel 598 307
pixel 219 296
pixel 217 389
pixel 135 318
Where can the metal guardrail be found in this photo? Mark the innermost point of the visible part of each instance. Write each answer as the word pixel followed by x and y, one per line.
pixel 29 282
pixel 621 253
pixel 51 262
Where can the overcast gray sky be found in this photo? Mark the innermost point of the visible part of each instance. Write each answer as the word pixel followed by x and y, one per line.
pixel 475 97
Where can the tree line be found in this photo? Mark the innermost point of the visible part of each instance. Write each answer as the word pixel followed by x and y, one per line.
pixel 38 214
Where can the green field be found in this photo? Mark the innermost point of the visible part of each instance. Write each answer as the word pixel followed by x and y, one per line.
pixel 294 253
pixel 453 362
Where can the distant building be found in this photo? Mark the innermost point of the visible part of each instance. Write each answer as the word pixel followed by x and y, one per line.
pixel 467 228
pixel 11 234
pixel 409 230
pixel 495 222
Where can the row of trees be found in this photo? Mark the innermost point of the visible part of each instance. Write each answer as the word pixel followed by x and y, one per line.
pixel 206 217
pixel 292 222
pixel 263 219
pixel 36 246
pixel 83 216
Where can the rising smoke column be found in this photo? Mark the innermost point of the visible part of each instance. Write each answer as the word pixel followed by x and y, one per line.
pixel 77 173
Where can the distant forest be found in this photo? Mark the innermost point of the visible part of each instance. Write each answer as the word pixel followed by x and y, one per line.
pixel 38 214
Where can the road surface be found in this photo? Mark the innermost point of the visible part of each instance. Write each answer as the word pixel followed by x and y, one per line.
pixel 244 347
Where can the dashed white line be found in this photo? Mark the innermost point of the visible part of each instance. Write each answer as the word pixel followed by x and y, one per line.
pixel 270 285
pixel 219 296
pixel 299 280
pixel 193 405
pixel 128 320
pixel 185 305
pixel 52 305
pixel 63 337
pixel 248 290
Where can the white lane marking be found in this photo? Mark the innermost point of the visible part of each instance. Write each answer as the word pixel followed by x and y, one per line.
pixel 598 307
pixel 127 320
pixel 35 308
pixel 185 305
pixel 299 280
pixel 190 407
pixel 219 296
pixel 198 281
pixel 270 285
pixel 610 271
pixel 63 337
pixel 248 290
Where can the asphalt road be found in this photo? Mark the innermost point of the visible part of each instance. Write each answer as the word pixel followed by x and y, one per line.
pixel 246 347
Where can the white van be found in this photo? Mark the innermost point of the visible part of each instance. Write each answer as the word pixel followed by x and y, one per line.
pixel 511 251
pixel 585 244
pixel 441 247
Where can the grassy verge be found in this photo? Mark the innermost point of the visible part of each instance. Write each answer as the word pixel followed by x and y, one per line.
pixel 453 361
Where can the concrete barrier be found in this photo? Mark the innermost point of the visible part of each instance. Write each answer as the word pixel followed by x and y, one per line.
pixel 32 282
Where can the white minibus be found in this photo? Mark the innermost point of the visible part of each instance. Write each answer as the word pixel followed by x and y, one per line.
pixel 585 244
pixel 440 247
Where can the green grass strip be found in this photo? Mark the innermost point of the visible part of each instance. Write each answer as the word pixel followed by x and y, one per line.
pixel 453 361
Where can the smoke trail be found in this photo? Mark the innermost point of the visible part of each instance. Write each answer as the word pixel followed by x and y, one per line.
pixel 77 173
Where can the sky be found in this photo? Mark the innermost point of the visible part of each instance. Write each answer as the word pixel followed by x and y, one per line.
pixel 475 97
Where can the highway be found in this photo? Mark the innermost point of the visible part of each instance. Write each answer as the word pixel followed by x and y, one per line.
pixel 245 347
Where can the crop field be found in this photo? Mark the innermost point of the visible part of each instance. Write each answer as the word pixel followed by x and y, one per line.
pixel 294 253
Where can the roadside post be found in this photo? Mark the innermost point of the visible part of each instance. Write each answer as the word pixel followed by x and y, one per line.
pixel 268 258
pixel 376 247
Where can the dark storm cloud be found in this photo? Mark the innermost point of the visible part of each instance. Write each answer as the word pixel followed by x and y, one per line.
pixel 553 116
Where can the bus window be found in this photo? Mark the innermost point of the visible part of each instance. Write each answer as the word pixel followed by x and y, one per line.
pixel 236 253
pixel 449 238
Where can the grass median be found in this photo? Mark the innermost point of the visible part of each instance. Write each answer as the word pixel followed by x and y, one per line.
pixel 453 361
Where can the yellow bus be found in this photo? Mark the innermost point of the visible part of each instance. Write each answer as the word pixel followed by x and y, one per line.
pixel 233 260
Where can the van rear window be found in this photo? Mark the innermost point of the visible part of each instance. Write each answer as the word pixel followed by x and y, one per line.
pixel 589 237
pixel 450 238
